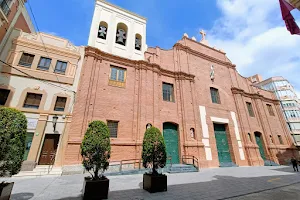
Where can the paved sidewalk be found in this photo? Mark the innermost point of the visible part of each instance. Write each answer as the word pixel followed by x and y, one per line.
pixel 218 183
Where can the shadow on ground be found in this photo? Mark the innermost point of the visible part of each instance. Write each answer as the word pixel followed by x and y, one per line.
pixel 288 169
pixel 221 187
pixel 22 196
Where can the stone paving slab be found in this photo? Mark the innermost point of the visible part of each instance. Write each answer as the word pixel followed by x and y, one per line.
pixel 218 183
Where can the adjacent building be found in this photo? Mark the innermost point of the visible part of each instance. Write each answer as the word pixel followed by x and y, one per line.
pixel 40 79
pixel 289 101
pixel 13 15
pixel 191 92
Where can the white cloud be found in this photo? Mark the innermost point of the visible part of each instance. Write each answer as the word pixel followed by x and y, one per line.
pixel 255 38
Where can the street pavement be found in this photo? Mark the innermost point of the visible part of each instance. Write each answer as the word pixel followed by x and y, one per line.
pixel 237 183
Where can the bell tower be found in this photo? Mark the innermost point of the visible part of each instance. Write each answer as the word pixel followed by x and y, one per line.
pixel 118 31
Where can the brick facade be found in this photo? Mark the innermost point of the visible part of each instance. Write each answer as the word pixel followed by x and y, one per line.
pixel 187 66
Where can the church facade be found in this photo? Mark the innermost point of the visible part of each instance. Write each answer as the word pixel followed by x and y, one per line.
pixel 192 93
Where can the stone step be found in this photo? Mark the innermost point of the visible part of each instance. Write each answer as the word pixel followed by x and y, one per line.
pixel 37 174
pixel 270 163
pixel 55 169
pixel 228 164
pixel 180 168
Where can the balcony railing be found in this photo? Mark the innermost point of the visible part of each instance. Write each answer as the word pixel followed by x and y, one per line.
pixel 4 5
pixel 293 119
pixel 296 131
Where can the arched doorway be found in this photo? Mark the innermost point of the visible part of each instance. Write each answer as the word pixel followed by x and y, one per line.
pixel 170 133
pixel 259 142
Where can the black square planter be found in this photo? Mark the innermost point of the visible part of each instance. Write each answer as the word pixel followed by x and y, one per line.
pixel 155 183
pixel 5 191
pixel 95 190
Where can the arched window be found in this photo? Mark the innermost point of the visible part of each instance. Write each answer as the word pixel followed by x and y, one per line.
pixel 138 42
pixel 121 35
pixel 192 130
pixel 249 136
pixel 102 31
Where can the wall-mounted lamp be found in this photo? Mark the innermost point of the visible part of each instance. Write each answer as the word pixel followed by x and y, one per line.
pixel 54 121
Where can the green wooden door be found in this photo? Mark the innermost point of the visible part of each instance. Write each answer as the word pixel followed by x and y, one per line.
pixel 222 144
pixel 29 137
pixel 171 139
pixel 260 145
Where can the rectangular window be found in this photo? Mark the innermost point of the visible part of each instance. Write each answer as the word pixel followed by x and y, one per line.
pixel 280 139
pixel 117 76
pixel 168 92
pixel 60 104
pixel 215 95
pixel 270 109
pixel 250 109
pixel 113 128
pixel 44 63
pixel 26 60
pixel 61 67
pixel 32 100
pixel 3 96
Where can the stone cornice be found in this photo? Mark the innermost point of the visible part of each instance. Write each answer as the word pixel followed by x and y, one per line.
pixel 138 64
pixel 253 95
pixel 50 49
pixel 204 56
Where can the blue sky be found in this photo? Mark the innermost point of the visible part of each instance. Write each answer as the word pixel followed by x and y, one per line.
pixel 166 20
pixel 251 32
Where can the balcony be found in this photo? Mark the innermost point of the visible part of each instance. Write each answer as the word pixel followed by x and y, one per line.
pixel 293 119
pixel 4 9
pixel 296 131
pixel 288 97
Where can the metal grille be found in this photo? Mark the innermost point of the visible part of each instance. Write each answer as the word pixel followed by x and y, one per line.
pixel 250 109
pixel 4 4
pixel 215 95
pixel 168 92
pixel 113 128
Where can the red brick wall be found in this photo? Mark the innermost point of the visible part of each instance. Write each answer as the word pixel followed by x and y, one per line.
pixel 140 102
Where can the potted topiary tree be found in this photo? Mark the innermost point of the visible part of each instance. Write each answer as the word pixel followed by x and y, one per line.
pixel 95 151
pixel 154 157
pixel 13 128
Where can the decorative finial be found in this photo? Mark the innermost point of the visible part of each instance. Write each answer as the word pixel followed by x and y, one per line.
pixel 193 38
pixel 186 35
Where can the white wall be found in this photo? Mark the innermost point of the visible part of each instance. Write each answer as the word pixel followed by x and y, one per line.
pixel 113 15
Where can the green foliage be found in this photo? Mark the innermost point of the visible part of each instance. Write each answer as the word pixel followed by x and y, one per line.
pixel 95 149
pixel 13 128
pixel 154 150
